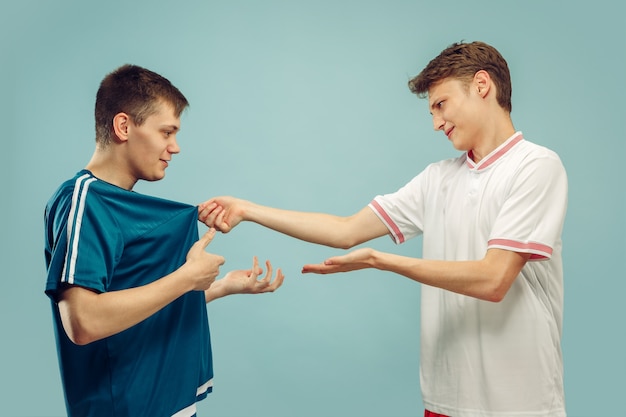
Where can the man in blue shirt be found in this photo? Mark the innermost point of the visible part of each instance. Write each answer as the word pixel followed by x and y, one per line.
pixel 127 275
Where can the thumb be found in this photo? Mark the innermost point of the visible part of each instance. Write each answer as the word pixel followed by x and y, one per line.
pixel 207 238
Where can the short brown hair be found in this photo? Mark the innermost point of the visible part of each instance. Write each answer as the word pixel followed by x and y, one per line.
pixel 135 91
pixel 463 60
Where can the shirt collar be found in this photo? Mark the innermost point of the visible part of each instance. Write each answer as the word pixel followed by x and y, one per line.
pixel 495 155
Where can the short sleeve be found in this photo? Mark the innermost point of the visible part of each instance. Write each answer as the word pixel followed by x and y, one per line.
pixel 531 218
pixel 405 211
pixel 87 245
pixel 400 211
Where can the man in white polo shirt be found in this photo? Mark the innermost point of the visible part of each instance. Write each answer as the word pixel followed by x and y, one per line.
pixel 491 222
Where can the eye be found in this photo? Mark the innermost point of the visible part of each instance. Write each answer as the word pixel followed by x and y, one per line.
pixel 440 104
pixel 167 133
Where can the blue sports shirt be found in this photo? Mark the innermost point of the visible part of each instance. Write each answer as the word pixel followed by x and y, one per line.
pixel 105 238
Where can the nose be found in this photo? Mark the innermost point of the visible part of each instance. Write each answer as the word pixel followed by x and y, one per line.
pixel 438 123
pixel 173 148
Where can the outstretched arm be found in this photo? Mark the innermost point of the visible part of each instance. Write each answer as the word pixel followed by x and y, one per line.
pixel 88 316
pixel 224 213
pixel 487 279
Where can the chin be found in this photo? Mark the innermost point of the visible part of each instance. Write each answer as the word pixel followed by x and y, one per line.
pixel 154 178
pixel 460 147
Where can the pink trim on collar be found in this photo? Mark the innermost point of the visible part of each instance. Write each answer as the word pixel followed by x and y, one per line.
pixel 496 154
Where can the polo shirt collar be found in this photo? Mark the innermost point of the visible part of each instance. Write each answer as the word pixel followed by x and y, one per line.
pixel 495 155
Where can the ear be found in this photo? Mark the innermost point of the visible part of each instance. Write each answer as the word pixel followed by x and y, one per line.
pixel 121 122
pixel 482 83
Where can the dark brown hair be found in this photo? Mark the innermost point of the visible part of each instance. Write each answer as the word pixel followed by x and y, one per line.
pixel 463 60
pixel 135 91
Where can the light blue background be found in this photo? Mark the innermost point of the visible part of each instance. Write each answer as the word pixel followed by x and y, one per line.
pixel 304 105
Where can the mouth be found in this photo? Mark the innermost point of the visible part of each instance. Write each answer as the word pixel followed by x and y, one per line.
pixel 166 163
pixel 449 132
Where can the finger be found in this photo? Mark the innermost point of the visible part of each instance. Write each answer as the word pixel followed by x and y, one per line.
pixel 209 213
pixel 317 269
pixel 264 286
pixel 255 268
pixel 268 275
pixel 204 209
pixel 258 272
pixel 210 219
pixel 278 281
pixel 219 220
pixel 205 204
pixel 207 238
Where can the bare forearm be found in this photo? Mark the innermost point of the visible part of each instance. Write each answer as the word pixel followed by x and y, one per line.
pixel 88 316
pixel 320 228
pixel 215 291
pixel 487 279
pixel 464 277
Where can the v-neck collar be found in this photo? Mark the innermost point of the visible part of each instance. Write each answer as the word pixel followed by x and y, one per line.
pixel 494 155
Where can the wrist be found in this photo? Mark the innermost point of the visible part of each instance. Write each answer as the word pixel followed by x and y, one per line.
pixel 183 278
pixel 215 291
pixel 250 212
pixel 375 260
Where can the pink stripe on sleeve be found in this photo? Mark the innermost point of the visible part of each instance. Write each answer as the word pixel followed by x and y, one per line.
pixel 395 230
pixel 537 250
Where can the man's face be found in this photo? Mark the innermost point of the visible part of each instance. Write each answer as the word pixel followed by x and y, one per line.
pixel 454 106
pixel 152 144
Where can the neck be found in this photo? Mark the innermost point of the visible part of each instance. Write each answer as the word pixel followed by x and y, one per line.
pixel 492 138
pixel 107 166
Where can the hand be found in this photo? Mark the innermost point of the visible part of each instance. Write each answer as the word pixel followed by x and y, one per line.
pixel 222 213
pixel 203 267
pixel 353 261
pixel 247 281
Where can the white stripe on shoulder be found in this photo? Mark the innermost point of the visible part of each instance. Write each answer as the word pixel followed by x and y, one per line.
pixel 74 223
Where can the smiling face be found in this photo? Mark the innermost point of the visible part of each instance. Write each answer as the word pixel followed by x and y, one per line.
pixel 455 107
pixel 150 145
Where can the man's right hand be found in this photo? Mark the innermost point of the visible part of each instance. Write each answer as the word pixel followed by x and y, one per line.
pixel 202 266
pixel 222 213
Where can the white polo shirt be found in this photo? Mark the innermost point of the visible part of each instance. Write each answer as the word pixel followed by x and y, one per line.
pixel 480 358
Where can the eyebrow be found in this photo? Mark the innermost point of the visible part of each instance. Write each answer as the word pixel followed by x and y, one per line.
pixel 433 103
pixel 432 106
pixel 170 127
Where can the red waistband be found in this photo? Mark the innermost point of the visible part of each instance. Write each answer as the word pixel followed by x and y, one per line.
pixel 431 414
